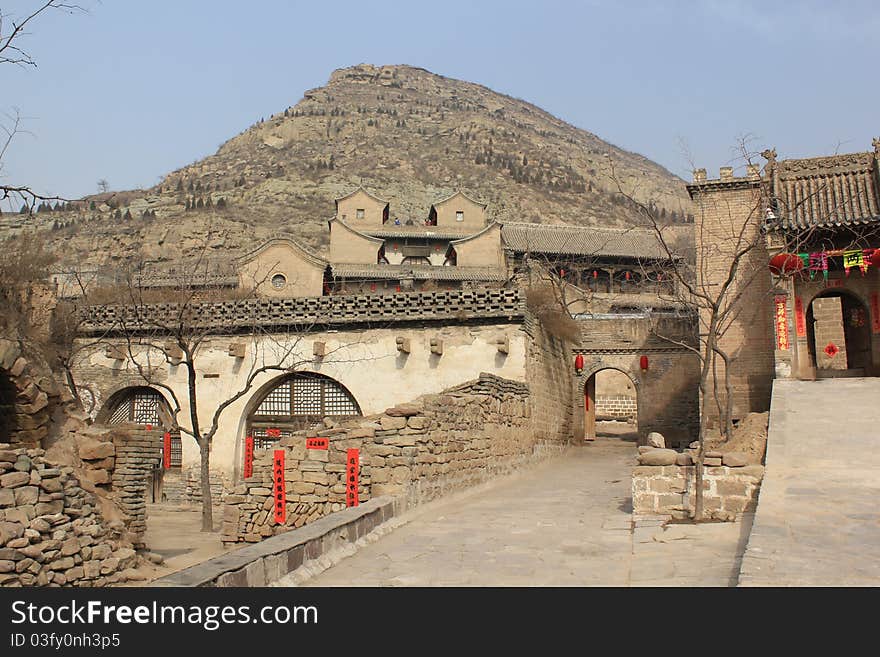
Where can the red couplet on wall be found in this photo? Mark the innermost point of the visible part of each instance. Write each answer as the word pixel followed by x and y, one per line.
pixel 781 321
pixel 800 321
pixel 317 443
pixel 278 494
pixel 248 456
pixel 273 433
pixel 166 451
pixel 352 463
pixel 875 311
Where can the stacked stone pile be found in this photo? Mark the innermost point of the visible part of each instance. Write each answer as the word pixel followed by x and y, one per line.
pixel 36 394
pixel 418 450
pixel 664 481
pixel 51 533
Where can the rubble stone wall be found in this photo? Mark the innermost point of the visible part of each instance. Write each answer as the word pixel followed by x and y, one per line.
pixel 51 531
pixel 417 451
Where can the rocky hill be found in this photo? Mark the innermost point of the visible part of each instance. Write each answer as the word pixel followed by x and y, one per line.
pixel 405 134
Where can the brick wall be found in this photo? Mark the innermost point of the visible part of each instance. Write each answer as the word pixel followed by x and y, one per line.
pixel 723 208
pixel 549 373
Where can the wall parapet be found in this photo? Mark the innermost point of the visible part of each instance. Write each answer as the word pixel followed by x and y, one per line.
pixel 310 312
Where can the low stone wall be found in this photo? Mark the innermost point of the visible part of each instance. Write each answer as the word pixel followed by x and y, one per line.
pixel 665 483
pixel 416 452
pixel 192 489
pixel 51 532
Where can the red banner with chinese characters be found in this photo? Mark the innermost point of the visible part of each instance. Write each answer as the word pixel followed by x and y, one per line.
pixel 278 494
pixel 273 433
pixel 781 320
pixel 317 443
pixel 875 312
pixel 352 462
pixel 166 450
pixel 800 320
pixel 248 457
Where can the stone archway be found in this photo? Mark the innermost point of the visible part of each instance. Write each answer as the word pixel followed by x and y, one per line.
pixel 599 405
pixel 839 334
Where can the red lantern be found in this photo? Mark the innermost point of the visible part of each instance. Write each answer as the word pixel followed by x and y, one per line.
pixel 562 273
pixel 579 363
pixel 785 264
pixel 643 363
pixel 595 274
pixel 627 275
pixel 874 258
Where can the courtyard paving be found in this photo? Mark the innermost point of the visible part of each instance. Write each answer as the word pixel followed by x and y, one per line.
pixel 565 522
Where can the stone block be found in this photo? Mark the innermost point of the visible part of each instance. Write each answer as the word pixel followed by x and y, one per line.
pixel 726 488
pixel 684 459
pixel 26 495
pixel 754 471
pixel 735 459
pixel 403 410
pixel 417 422
pixel 658 457
pixel 14 479
pixel 656 439
pixel 7 497
pixel 90 449
pixel 390 423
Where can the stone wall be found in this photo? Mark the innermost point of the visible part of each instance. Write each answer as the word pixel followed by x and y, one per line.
pixel 138 453
pixel 28 396
pixel 548 372
pixel 665 483
pixel 417 451
pixel 616 407
pixel 51 530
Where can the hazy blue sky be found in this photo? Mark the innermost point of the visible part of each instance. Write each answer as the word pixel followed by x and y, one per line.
pixel 133 90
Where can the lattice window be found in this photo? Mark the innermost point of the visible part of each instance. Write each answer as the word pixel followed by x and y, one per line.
pixel 296 404
pixel 176 451
pixel 139 407
pixel 277 402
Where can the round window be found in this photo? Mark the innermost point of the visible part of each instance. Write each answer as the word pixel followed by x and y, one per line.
pixel 278 281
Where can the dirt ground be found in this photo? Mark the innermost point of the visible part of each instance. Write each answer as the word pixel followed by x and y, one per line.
pixel 174 532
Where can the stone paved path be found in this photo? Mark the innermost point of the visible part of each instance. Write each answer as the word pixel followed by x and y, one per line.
pixel 566 522
pixel 818 517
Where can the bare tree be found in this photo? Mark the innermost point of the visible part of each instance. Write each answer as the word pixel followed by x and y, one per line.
pixel 103 185
pixel 171 318
pixel 12 31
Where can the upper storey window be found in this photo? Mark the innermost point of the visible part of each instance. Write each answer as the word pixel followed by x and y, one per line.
pixel 359 213
pixel 459 215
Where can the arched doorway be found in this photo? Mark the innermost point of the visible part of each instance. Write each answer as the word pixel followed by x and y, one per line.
pixel 610 405
pixel 146 406
pixel 294 402
pixel 839 334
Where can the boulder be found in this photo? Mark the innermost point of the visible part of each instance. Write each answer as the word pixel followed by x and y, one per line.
pixel 684 459
pixel 656 439
pixel 658 457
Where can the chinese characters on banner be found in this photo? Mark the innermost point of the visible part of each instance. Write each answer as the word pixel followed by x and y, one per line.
pixel 273 433
pixel 166 451
pixel 781 318
pixel 352 460
pixel 875 312
pixel 248 456
pixel 278 494
pixel 800 320
pixel 317 443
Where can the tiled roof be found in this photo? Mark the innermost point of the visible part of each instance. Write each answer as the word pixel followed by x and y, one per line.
pixel 579 240
pixel 827 191
pixel 439 273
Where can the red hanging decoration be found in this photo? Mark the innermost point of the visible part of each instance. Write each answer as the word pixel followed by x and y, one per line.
pixel 595 274
pixel 643 363
pixel 785 264
pixel 627 275
pixel 579 363
pixel 562 273
pixel 874 258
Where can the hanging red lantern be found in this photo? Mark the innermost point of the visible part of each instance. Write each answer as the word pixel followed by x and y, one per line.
pixel 579 363
pixel 643 363
pixel 562 273
pixel 874 258
pixel 627 275
pixel 785 264
pixel 595 274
